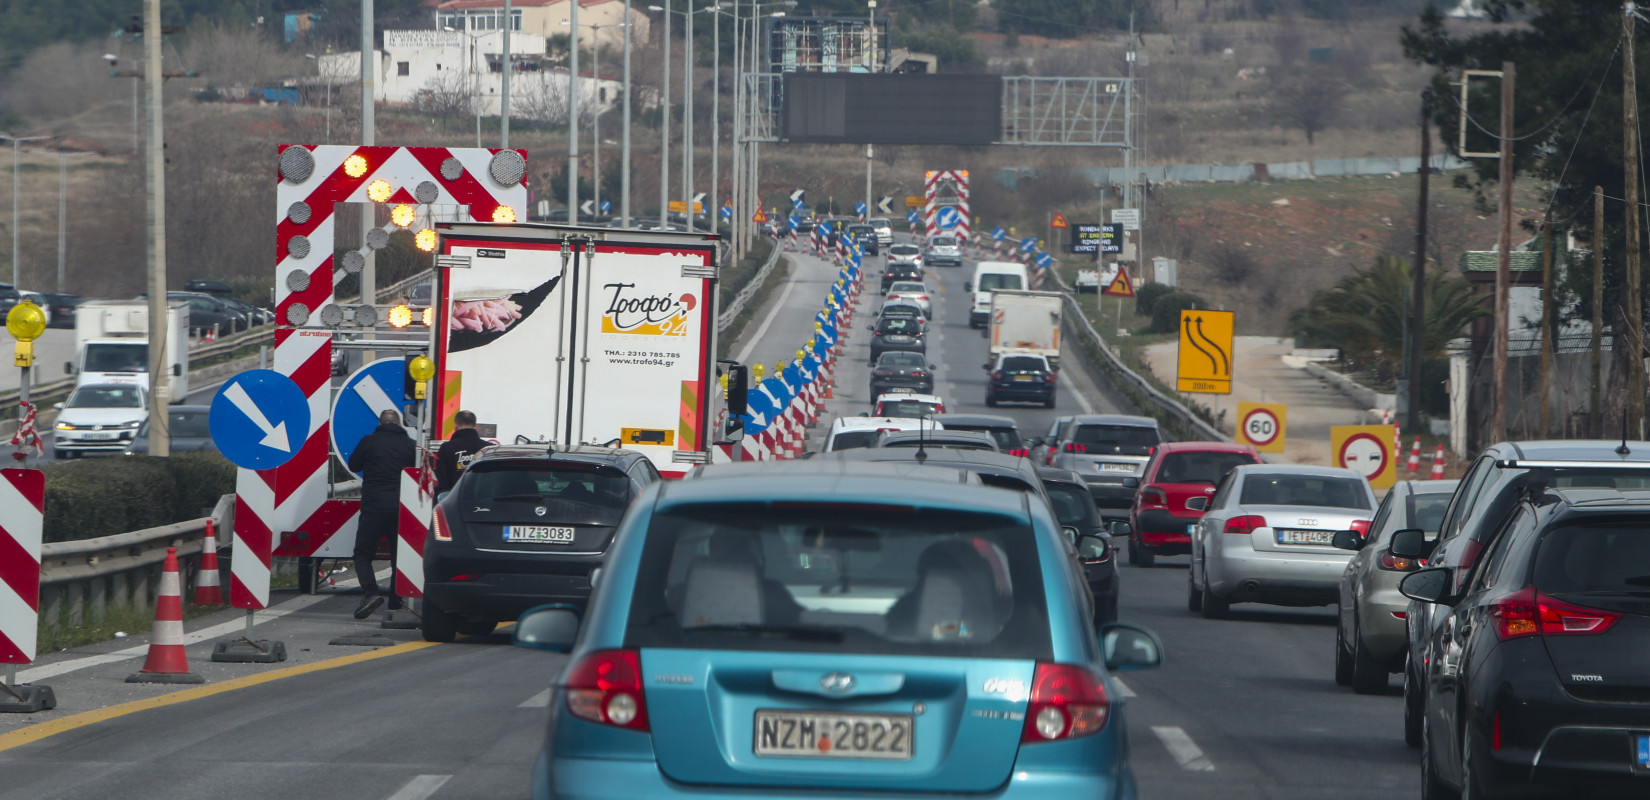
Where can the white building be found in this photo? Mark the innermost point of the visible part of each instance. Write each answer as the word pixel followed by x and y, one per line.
pixel 453 71
pixel 547 18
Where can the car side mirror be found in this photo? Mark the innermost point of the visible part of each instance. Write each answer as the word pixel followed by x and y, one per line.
pixel 548 627
pixel 1093 549
pixel 968 286
pixel 985 366
pixel 1347 540
pixel 177 370
pixel 1131 483
pixel 932 367
pixel 1199 503
pixel 439 496
pixel 1427 586
pixel 1409 543
pixel 1119 529
pixel 1130 647
pixel 68 368
pixel 1070 533
pixel 57 406
pixel 870 327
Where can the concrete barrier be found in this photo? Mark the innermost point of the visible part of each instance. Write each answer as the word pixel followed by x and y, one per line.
pixel 1360 394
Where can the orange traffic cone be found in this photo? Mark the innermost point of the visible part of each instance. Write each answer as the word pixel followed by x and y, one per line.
pixel 208 588
pixel 167 662
pixel 1415 456
pixel 1438 463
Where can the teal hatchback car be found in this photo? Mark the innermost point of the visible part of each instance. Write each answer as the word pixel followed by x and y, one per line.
pixel 834 629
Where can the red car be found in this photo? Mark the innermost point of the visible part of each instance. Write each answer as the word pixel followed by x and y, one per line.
pixel 1159 521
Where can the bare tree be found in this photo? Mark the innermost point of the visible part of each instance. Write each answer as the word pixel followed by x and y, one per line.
pixel 1307 99
pixel 446 97
pixel 543 101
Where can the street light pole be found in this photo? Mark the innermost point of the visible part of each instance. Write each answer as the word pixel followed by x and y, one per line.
pixel 15 141
pixel 664 131
pixel 624 157
pixel 596 117
pixel 687 111
pixel 504 91
pixel 573 116
pixel 63 210
pixel 160 441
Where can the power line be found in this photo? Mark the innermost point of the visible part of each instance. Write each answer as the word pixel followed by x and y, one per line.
pixel 1557 118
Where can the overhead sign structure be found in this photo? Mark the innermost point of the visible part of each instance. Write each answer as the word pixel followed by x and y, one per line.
pixel 1059 221
pixel 1090 238
pixel 1129 218
pixel 370 391
pixel 1205 362
pixel 1366 450
pixel 1120 285
pixel 259 419
pixel 1262 425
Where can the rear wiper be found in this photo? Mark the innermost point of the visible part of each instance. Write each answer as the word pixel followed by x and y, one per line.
pixel 783 631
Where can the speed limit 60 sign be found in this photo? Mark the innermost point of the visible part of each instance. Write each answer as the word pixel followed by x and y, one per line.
pixel 1367 450
pixel 1262 425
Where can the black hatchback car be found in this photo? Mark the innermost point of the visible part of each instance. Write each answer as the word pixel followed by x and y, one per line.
pixel 1537 681
pixel 1020 377
pixel 1074 508
pixel 525 525
pixel 896 334
pixel 866 237
pixel 897 369
pixel 896 273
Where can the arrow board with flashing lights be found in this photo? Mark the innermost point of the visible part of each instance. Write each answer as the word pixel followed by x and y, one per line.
pixel 259 419
pixel 1205 358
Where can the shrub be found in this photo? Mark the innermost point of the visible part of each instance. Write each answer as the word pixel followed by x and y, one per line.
pixel 99 497
pixel 1166 311
pixel 1146 296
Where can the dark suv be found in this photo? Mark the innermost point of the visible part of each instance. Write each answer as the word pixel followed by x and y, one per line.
pixel 866 237
pixel 895 273
pixel 525 525
pixel 897 369
pixel 1536 682
pixel 1020 377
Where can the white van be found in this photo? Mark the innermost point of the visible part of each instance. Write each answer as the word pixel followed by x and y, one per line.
pixel 989 276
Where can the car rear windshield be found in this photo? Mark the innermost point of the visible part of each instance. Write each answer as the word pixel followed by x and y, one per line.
pixel 1119 440
pixel 1426 511
pixel 992 281
pixel 908 286
pixel 1006 438
pixel 596 493
pixel 1073 505
pixel 1609 559
pixel 907 408
pixel 1199 467
pixel 1022 364
pixel 944 241
pixel 1304 490
pixel 904 250
pixel 840 577
pixel 848 440
pixel 899 325
pixel 901 359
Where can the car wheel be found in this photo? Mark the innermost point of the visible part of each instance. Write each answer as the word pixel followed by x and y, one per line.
pixel 1146 558
pixel 1431 787
pixel 1049 403
pixel 1194 597
pixel 1214 606
pixel 473 627
pixel 1369 676
pixel 1412 708
pixel 991 402
pixel 1470 787
pixel 1343 660
pixel 438 625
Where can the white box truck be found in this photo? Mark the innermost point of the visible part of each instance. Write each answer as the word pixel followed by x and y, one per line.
pixel 112 345
pixel 579 336
pixel 1026 322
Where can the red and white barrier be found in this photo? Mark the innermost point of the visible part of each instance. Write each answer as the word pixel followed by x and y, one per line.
pixel 417 507
pixel 166 661
pixel 22 518
pixel 208 584
pixel 254 539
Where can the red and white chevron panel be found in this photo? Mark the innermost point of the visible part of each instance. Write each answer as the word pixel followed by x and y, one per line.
pixel 417 507
pixel 292 508
pixel 933 180
pixel 22 518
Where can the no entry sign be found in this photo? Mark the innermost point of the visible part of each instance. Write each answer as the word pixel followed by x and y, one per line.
pixel 1366 450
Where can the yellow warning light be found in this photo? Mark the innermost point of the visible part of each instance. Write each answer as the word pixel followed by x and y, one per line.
pixel 425 239
pixel 759 370
pixel 801 354
pixel 355 166
pixel 400 317
pixel 401 215
pixel 421 368
pixel 26 322
pixel 429 317
pixel 379 191
pixel 504 214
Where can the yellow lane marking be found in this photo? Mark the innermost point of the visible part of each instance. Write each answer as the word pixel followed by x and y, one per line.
pixel 44 730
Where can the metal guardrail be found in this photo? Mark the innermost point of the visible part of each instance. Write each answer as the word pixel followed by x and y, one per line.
pixel 82 580
pixel 734 308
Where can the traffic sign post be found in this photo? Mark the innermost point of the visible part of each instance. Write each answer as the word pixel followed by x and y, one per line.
pixel 1262 425
pixel 258 419
pixel 1120 287
pixel 1205 358
pixel 1366 450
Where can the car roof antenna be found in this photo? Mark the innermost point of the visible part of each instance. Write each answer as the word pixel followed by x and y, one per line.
pixel 1623 450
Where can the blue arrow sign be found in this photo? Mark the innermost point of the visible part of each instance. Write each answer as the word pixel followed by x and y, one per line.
pixel 727 212
pixel 998 234
pixel 1045 260
pixel 912 217
pixel 948 217
pixel 259 419
pixel 793 222
pixel 373 389
pixel 1028 244
pixel 859 208
pixel 607 206
pixel 799 205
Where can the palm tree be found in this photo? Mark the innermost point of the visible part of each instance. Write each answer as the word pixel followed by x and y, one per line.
pixel 1366 313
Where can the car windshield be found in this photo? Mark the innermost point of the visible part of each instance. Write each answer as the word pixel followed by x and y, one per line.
pixel 904 250
pixel 901 360
pixel 123 357
pixel 1199 467
pixel 992 281
pixel 1022 364
pixel 1073 505
pixel 829 577
pixel 1599 559
pixel 848 440
pixel 554 487
pixel 106 397
pixel 1270 489
pixel 1121 440
pixel 906 408
pixel 1426 511
pixel 943 241
pixel 904 325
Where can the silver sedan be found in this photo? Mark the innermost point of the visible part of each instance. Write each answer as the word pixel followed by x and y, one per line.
pixel 1370 634
pixel 1268 536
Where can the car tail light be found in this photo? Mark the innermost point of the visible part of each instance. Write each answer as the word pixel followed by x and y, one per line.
pixel 1392 563
pixel 1400 614
pixel 997 375
pixel 1067 701
pixel 1154 496
pixel 1361 526
pixel 922 297
pixel 439 527
pixel 1247 523
pixel 879 333
pixel 1020 452
pixel 1075 447
pixel 1528 612
pixel 606 687
pixel 916 373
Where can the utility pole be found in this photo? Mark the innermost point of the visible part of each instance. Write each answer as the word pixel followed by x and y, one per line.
pixel 1595 409
pixel 573 116
pixel 1633 302
pixel 1503 266
pixel 369 135
pixel 160 440
pixel 63 211
pixel 664 130
pixel 504 90
pixel 1546 325
pixel 687 109
pixel 624 157
pixel 1417 322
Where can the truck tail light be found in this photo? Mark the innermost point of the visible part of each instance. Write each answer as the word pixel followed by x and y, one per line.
pixel 606 687
pixel 1248 523
pixel 1067 701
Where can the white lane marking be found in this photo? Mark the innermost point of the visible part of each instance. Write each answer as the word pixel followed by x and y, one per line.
pixel 540 700
pixel 421 787
pixel 1123 688
pixel 1184 750
pixel 773 313
pixel 193 637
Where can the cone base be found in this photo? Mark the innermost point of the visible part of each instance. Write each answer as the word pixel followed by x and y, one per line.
pixel 242 651
pixel 407 622
pixel 363 641
pixel 208 596
pixel 34 697
pixel 164 677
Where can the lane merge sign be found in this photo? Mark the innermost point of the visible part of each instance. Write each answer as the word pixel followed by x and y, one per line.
pixel 1262 425
pixel 259 419
pixel 1205 358
pixel 948 217
pixel 1366 450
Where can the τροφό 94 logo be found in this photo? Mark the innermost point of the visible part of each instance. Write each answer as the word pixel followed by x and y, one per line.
pixel 639 313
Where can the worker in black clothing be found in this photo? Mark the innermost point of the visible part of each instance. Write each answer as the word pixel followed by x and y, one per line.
pixel 456 453
pixel 379 459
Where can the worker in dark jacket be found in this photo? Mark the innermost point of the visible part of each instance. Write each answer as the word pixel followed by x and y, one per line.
pixel 456 453
pixel 379 459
